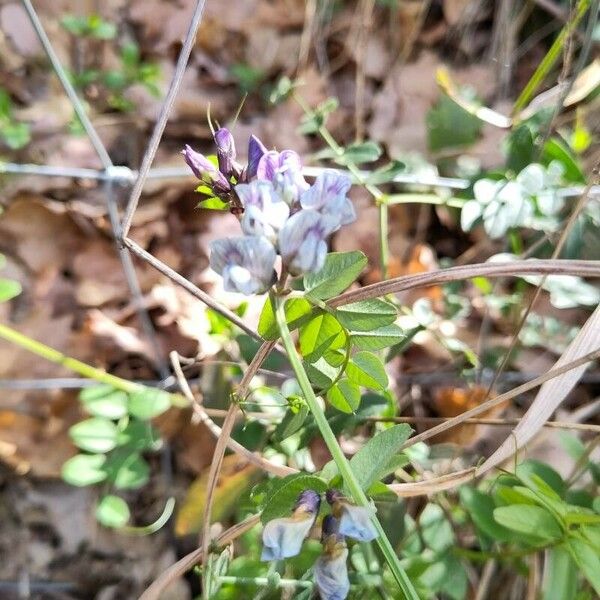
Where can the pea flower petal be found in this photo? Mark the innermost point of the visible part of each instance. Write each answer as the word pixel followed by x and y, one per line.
pixel 354 521
pixel 246 264
pixel 265 212
pixel 330 570
pixel 284 169
pixel 225 150
pixel 204 170
pixel 256 150
pixel 329 195
pixel 302 241
pixel 283 537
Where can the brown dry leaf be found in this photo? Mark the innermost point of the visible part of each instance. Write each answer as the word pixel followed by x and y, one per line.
pixel 37 445
pixel 111 336
pixel 453 401
pixel 39 232
pixel 18 29
pixel 236 477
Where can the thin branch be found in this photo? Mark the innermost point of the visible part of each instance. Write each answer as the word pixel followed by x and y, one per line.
pixel 555 254
pixel 219 452
pixel 493 422
pixel 68 86
pixel 161 123
pixel 190 287
pixel 517 268
pixel 497 400
pixel 154 592
pixel 204 418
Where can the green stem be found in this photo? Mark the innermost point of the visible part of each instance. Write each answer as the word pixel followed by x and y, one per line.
pixel 266 581
pixel 337 454
pixel 75 365
pixel 59 358
pixel 378 195
pixel 384 247
pixel 551 57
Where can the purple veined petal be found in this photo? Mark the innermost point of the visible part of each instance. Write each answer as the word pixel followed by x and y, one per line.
pixel 256 150
pixel 283 537
pixel 225 150
pixel 331 575
pixel 302 241
pixel 288 178
pixel 268 165
pixel 204 170
pixel 327 187
pixel 356 522
pixel 265 212
pixel 246 263
pixel 197 162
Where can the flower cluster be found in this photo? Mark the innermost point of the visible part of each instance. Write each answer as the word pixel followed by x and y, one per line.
pixel 283 537
pixel 280 213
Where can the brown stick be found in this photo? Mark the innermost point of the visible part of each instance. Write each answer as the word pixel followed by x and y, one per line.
pixel 517 268
pixel 187 562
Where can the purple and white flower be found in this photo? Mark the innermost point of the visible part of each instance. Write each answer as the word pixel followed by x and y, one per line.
pixel 302 242
pixel 265 213
pixel 283 537
pixel 329 196
pixel 245 263
pixel 354 521
pixel 284 169
pixel 330 570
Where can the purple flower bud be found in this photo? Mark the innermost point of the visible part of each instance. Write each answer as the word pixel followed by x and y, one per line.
pixel 354 521
pixel 283 537
pixel 331 571
pixel 246 264
pixel 204 170
pixel 265 212
pixel 329 196
pixel 256 150
pixel 225 151
pixel 308 501
pixel 302 242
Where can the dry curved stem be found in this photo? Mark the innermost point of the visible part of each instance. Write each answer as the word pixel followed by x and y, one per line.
pixel 219 453
pixel 517 268
pixel 555 254
pixel 204 418
pixel 154 592
pixel 432 486
pixel 497 400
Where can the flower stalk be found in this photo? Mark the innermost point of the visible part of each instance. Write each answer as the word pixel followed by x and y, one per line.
pixel 337 454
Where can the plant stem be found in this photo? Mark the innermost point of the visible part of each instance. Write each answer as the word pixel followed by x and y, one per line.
pixel 75 365
pixel 265 581
pixel 551 57
pixel 378 195
pixel 384 247
pixel 337 454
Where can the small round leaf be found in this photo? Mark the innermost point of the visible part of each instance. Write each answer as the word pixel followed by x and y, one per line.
pixel 112 511
pixel 94 435
pixel 149 403
pixel 84 469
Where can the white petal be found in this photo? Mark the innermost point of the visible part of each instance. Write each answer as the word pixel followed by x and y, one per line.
pixel 485 190
pixel 331 576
